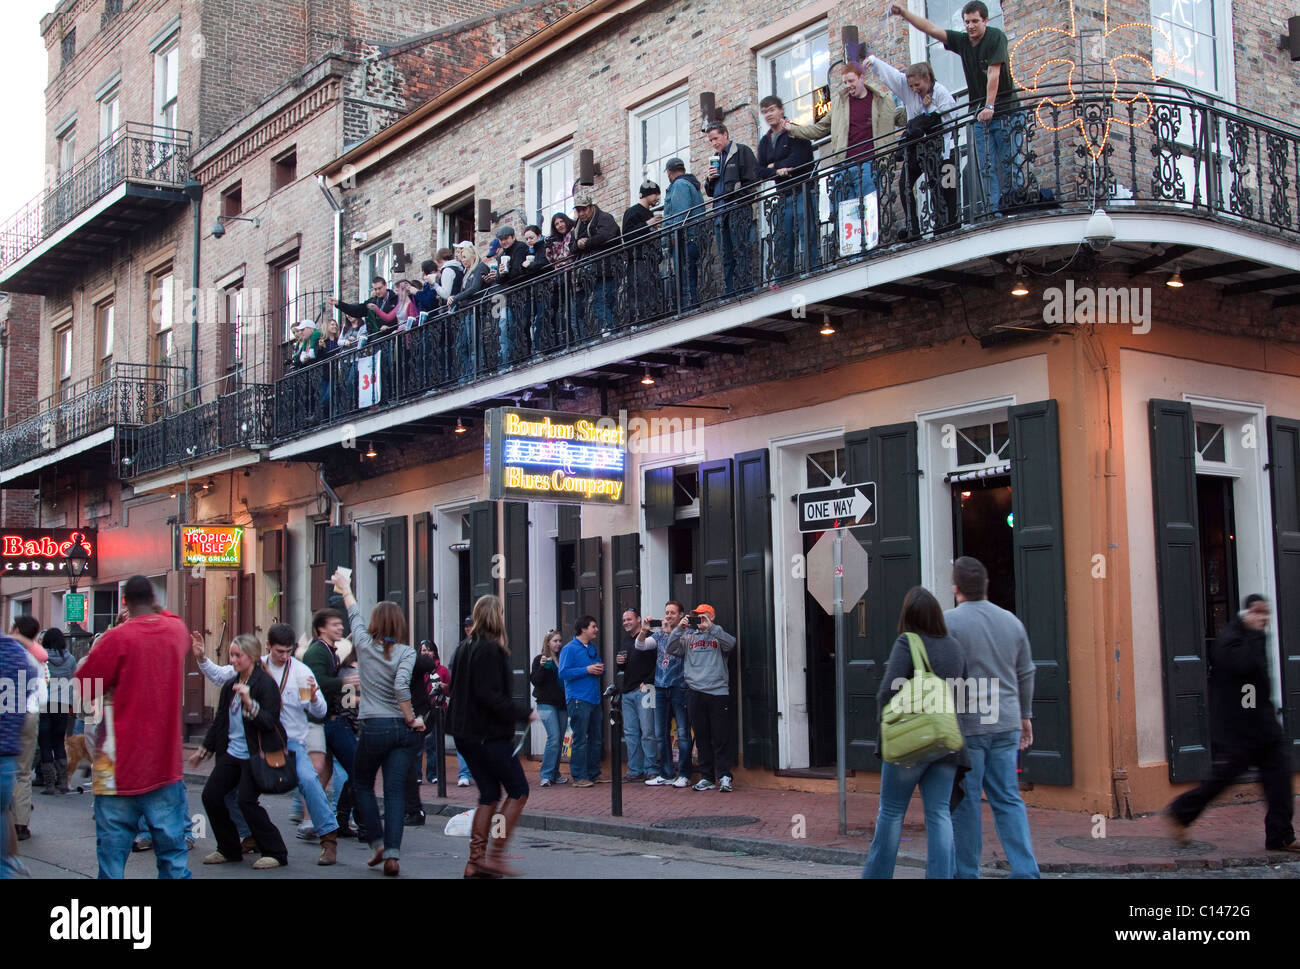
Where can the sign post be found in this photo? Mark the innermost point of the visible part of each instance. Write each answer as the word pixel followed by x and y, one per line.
pixel 832 510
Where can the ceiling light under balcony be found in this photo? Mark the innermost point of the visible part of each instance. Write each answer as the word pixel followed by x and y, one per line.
pixel 1020 286
pixel 460 426
pixel 370 450
pixel 828 328
pixel 1175 281
pixel 648 380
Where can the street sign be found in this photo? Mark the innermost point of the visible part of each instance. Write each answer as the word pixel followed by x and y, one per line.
pixel 847 507
pixel 821 572
pixel 74 607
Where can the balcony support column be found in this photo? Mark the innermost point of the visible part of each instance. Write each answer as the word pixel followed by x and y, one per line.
pixel 194 191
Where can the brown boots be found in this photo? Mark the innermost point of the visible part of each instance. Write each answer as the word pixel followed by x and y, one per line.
pixel 497 860
pixel 478 839
pixel 329 849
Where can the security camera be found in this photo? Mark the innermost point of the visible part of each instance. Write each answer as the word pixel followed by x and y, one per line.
pixel 1100 231
pixel 218 230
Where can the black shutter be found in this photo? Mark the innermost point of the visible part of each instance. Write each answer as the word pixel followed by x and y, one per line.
pixel 590 597
pixel 568 522
pixel 1284 479
pixel 658 498
pixel 396 557
pixel 515 547
pixel 887 456
pixel 1039 551
pixel 1180 594
pixel 626 550
pixel 482 548
pixel 338 552
pixel 716 583
pixel 756 623
pixel 421 575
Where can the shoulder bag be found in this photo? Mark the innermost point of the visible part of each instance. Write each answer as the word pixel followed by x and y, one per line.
pixel 276 771
pixel 919 725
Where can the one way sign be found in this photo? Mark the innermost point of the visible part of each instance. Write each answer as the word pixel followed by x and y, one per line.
pixel 828 508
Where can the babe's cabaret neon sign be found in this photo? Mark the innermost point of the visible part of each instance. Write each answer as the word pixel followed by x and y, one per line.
pixel 18 546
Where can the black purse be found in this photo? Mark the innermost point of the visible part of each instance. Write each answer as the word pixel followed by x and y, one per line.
pixel 275 772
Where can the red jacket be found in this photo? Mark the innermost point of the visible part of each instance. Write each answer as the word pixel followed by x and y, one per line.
pixel 141 664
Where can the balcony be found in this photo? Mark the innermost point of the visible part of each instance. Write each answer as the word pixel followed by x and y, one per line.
pixel 84 420
pixel 192 428
pixel 1190 183
pixel 125 183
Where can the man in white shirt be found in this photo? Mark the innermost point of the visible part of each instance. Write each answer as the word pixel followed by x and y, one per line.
pixel 298 697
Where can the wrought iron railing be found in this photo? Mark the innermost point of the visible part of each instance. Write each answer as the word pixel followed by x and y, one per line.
pixel 1154 149
pixel 199 424
pixel 141 153
pixel 120 395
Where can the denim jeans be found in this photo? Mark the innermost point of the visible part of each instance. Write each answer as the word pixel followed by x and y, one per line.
pixel 387 743
pixel 639 732
pixel 896 786
pixel 318 805
pixel 791 227
pixel 585 719
pixel 997 143
pixel 337 780
pixel 688 274
pixel 462 769
pixel 8 767
pixel 341 742
pixel 556 721
pixel 670 704
pixel 734 227
pixel 117 818
pixel 993 770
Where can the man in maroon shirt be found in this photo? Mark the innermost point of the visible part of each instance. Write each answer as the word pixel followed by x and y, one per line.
pixel 139 668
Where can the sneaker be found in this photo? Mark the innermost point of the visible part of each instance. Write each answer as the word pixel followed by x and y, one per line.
pixel 561 780
pixel 725 783
pixel 414 819
pixel 682 781
pixel 216 858
pixel 296 817
pixel 704 784
pixel 189 843
pixel 265 862
pixel 658 781
pixel 629 776
pixel 584 783
pixel 142 844
pixel 306 831
pixel 462 782
pixel 545 782
pixel 431 778
pixel 1292 848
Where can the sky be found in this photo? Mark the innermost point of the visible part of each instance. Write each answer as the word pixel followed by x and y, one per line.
pixel 22 85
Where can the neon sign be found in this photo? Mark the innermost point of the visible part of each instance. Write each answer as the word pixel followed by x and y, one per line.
pixel 538 455
pixel 44 550
pixel 212 546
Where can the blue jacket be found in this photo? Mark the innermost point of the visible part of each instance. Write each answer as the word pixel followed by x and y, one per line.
pixel 670 669
pixel 13 707
pixel 578 683
pixel 683 197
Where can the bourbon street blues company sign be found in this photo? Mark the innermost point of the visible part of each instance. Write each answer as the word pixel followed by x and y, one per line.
pixel 539 455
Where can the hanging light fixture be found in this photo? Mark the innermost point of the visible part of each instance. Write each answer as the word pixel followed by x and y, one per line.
pixel 460 426
pixel 648 380
pixel 370 450
pixel 1175 281
pixel 1020 286
pixel 827 329
pixel 209 485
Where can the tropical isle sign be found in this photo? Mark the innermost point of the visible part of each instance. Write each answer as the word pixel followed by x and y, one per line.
pixel 212 546
pixel 539 455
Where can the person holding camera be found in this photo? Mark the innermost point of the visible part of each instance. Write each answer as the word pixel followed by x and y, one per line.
pixel 580 671
pixel 637 664
pixel 705 647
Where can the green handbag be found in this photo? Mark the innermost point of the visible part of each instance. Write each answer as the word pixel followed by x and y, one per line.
pixel 919 724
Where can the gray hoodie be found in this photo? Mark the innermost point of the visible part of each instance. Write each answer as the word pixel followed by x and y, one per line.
pixel 996 648
pixel 705 657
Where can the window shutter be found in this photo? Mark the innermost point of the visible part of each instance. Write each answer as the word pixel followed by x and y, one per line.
pixel 626 550
pixel 658 498
pixel 1284 479
pixel 482 547
pixel 515 548
pixel 590 597
pixel 396 559
pixel 422 573
pixel 756 622
pixel 338 552
pixel 717 580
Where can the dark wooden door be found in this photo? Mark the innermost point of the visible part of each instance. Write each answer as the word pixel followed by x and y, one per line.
pixel 195 614
pixel 1284 480
pixel 422 578
pixel 756 623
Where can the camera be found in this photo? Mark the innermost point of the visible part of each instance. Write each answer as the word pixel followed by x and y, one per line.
pixel 655 623
pixel 610 691
pixel 693 620
pixel 1100 231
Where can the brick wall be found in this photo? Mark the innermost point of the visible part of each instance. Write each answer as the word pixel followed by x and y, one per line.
pixel 20 323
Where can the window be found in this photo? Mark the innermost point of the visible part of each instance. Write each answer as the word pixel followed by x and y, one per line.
pixel 104 333
pixel 286 297
pixel 1210 443
pixel 162 314
pixel 111 9
pixel 982 443
pixel 661 130
pixel 233 344
pixel 375 261
pixel 63 360
pixel 110 116
pixel 1199 33
pixel 947 14
pixel 166 83
pixel 793 68
pixel 284 170
pixel 824 467
pixel 232 200
pixel 549 185
pixel 67 150
pixel 68 47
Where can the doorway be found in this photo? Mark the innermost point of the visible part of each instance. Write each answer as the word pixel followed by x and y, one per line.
pixel 822 469
pixel 683 549
pixel 982 527
pixel 1217 521
pixel 456 221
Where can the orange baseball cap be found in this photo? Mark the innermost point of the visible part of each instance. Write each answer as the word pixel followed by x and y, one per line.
pixel 705 607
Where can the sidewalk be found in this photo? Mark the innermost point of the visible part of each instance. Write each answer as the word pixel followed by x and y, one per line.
pixel 804 827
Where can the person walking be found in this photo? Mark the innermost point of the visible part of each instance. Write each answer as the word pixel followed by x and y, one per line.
pixel 1244 729
pixel 389 737
pixel 247 724
pixel 580 671
pixel 997 653
pixel 922 616
pixel 13 669
pixel 483 717
pixel 552 708
pixel 28 632
pixel 56 715
pixel 141 662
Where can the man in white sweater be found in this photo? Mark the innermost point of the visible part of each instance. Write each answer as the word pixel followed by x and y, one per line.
pixel 298 697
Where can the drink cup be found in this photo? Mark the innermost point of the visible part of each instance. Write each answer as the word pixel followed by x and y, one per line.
pixel 304 694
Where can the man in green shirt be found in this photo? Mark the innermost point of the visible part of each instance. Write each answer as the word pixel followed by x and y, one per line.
pixel 999 131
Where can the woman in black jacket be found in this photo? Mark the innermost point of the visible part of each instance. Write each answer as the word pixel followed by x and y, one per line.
pixel 482 719
pixel 552 709
pixel 57 714
pixel 247 723
pixel 923 616
pixel 426 665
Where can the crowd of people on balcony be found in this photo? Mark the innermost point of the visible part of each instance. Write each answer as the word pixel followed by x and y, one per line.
pixel 889 129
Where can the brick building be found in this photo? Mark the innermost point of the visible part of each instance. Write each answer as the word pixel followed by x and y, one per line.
pixel 1126 467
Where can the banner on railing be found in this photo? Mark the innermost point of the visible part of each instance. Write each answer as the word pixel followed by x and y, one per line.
pixel 368 380
pixel 859 226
